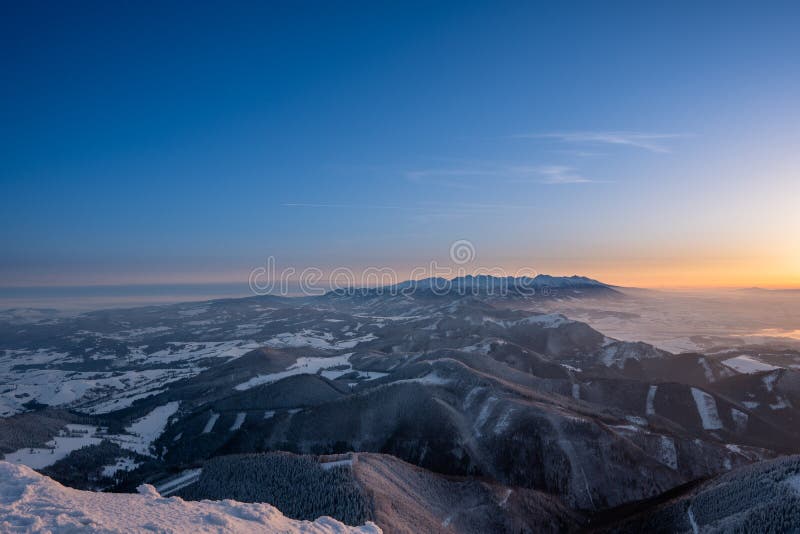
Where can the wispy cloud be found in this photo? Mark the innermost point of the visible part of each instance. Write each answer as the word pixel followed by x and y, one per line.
pixel 581 153
pixel 512 174
pixel 560 174
pixel 652 142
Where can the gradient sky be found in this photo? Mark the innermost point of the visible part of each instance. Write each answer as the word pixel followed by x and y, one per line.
pixel 641 143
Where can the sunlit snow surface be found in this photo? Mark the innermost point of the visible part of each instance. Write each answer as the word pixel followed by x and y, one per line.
pixel 30 502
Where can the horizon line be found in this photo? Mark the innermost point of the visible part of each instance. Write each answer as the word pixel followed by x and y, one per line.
pixel 244 284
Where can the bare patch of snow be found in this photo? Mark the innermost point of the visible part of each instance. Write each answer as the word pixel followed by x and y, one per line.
pixel 144 431
pixel 706 369
pixel 483 415
pixel 794 482
pixel 430 379
pixel 237 424
pixel 748 365
pixel 626 428
pixel 649 408
pixel 707 409
pixel 212 420
pixel 739 419
pixel 693 521
pixel 667 454
pixel 336 463
pixel 470 398
pixel 769 381
pixel 780 404
pixel 504 421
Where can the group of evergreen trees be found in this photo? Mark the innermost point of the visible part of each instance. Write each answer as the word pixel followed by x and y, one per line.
pixel 297 485
pixel 83 468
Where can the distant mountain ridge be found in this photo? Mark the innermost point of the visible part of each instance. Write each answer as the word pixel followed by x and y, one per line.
pixel 542 285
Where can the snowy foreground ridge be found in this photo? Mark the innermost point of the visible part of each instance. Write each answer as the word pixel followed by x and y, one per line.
pixel 30 502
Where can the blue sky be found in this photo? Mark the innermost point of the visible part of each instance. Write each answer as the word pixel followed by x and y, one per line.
pixel 638 142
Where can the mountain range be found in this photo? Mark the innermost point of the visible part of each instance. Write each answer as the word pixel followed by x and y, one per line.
pixel 428 406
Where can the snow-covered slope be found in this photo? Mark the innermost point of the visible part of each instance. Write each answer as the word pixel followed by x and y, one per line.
pixel 30 502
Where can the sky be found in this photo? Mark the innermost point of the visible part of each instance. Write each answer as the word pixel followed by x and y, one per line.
pixel 652 144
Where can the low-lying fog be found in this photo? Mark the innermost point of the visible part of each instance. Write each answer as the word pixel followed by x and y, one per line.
pixel 683 321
